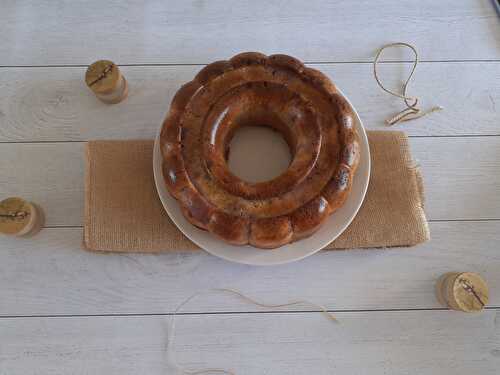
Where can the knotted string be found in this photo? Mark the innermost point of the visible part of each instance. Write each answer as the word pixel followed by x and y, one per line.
pixel 179 370
pixel 411 112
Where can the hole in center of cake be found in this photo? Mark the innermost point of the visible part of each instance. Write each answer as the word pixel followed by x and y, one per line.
pixel 258 154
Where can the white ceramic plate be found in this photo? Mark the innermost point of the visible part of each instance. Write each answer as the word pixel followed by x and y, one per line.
pixel 330 230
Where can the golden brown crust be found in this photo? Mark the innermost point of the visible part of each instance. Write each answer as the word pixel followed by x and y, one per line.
pixel 308 218
pixel 249 89
pixel 272 232
pixel 338 188
pixel 212 70
pixel 231 229
pixel 184 95
pixel 247 58
pixel 285 61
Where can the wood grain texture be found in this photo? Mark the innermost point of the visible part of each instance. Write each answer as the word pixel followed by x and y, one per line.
pixel 460 175
pixel 424 342
pixel 50 175
pixel 200 31
pixel 51 275
pixel 53 104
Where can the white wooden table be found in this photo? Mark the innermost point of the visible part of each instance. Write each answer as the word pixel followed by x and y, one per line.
pixel 66 311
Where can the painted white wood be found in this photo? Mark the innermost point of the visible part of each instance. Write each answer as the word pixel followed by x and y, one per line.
pixel 53 104
pixel 199 31
pixel 51 275
pixel 460 174
pixel 50 174
pixel 409 342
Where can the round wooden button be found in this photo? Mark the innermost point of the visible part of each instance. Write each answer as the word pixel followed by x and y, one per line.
pixel 19 217
pixel 462 291
pixel 106 81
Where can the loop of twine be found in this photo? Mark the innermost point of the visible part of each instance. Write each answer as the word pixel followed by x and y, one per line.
pixel 411 112
pixel 171 329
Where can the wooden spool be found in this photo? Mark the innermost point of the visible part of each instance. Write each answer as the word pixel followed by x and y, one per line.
pixel 20 218
pixel 462 291
pixel 106 81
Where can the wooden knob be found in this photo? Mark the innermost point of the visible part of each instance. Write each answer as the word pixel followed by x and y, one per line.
pixel 106 81
pixel 19 217
pixel 462 291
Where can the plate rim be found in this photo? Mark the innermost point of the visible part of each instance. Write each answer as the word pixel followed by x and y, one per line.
pixel 165 198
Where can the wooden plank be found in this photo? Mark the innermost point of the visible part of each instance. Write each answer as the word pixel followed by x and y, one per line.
pixel 53 104
pixel 51 275
pixel 48 174
pixel 461 177
pixel 198 31
pixel 428 342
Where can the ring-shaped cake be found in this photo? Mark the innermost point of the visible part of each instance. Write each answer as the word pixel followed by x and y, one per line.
pixel 252 89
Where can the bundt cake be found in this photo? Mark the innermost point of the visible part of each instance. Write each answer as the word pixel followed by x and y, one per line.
pixel 253 89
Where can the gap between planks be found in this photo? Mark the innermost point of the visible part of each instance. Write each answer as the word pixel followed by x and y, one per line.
pixel 429 221
pixel 389 128
pixel 278 312
pixel 305 62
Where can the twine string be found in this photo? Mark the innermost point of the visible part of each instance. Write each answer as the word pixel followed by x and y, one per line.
pixel 107 69
pixel 171 327
pixel 412 111
pixel 15 215
pixel 471 290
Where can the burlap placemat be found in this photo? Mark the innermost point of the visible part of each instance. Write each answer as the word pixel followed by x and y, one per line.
pixel 124 214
